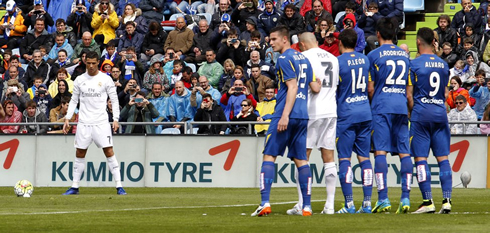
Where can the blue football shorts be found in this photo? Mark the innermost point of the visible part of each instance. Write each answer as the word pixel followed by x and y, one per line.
pixel 429 135
pixel 294 138
pixel 390 133
pixel 354 137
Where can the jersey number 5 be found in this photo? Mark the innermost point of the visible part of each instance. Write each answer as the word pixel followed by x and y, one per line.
pixel 302 76
pixel 399 80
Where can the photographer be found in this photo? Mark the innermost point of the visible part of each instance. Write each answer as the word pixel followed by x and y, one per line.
pixel 210 111
pixel 199 91
pixel 244 11
pixel 232 48
pixel 481 93
pixel 15 93
pixel 234 97
pixel 44 101
pixel 80 19
pixel 129 92
pixel 455 90
pixel 139 109
pixel 38 12
pixel 350 23
pixel 130 67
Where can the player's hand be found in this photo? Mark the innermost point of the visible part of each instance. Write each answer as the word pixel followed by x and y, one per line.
pixel 66 126
pixel 283 124
pixel 115 126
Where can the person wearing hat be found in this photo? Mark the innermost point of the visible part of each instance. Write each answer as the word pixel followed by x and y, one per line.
pixel 251 26
pixel 475 64
pixel 216 19
pixel 242 12
pixel 12 28
pixel 268 19
pixel 38 12
pixel 15 92
pixel 350 23
pixel 223 29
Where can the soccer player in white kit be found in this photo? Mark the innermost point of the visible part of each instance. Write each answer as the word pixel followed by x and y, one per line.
pixel 322 112
pixel 91 90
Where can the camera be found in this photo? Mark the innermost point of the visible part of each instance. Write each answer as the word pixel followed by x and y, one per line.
pixel 103 13
pixel 451 88
pixel 171 55
pixel 41 91
pixel 138 100
pixel 129 56
pixel 37 12
pixel 79 8
pixel 15 89
pixel 238 89
pixel 234 40
pixel 133 86
pixel 248 4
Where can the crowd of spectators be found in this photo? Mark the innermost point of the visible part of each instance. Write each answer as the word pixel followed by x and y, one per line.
pixel 221 70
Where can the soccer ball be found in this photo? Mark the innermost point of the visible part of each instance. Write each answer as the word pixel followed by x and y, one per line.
pixel 465 178
pixel 23 188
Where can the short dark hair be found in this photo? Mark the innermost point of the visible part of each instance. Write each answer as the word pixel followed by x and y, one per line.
pixel 154 26
pixel 177 62
pixel 458 80
pixel 31 103
pixel 38 78
pixel 290 6
pixel 282 31
pixel 40 19
pixel 255 66
pixel 91 55
pixel 210 50
pixel 130 48
pixel 60 35
pixel 350 5
pixel 206 95
pixel 386 28
pixel 187 70
pixel 425 35
pixel 255 34
pixel 232 32
pixel 130 23
pixel 348 37
pixel 142 93
pixel 155 83
pixel 480 72
pixel 14 57
pixel 446 44
pixel 468 40
pixel 60 21
pixel 111 44
pixel 65 99
pixel 461 97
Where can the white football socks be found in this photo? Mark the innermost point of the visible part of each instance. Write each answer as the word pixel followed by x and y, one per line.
pixel 330 172
pixel 78 169
pixel 114 168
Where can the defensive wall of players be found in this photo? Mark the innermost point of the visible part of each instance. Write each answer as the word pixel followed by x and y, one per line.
pixel 197 161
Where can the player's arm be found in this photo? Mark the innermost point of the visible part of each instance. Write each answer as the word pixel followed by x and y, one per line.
pixel 111 92
pixel 315 85
pixel 410 94
pixel 370 90
pixel 71 107
pixel 290 99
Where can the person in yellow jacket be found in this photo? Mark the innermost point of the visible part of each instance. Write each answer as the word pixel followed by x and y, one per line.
pixel 62 74
pixel 266 109
pixel 12 27
pixel 104 22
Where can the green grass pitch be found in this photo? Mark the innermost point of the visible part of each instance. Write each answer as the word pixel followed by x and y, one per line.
pixel 224 210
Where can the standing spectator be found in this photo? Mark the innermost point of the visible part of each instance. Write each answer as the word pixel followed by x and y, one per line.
pixel 468 14
pixel 210 111
pixel 131 38
pixel 33 115
pixel 292 20
pixel 268 19
pixel 12 29
pixel 456 90
pixel 199 91
pixel 80 20
pixel 61 28
pixel 38 67
pixel 257 83
pixel 203 40
pixel 131 13
pixel 462 112
pixel 15 93
pixel 104 22
pixel 152 43
pixel 156 75
pixel 481 93
pixel 266 109
pixel 211 69
pixel 139 109
pixel 224 8
pixel 152 9
pixel 445 32
pixel 312 16
pixel 180 39
pixel 38 12
pixel 234 97
pixel 34 39
pixel 244 11
pixel 11 115
pixel 87 43
pixel 179 106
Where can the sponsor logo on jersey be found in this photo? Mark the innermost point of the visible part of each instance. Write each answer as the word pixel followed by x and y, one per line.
pixel 394 90
pixel 356 99
pixel 301 96
pixel 426 100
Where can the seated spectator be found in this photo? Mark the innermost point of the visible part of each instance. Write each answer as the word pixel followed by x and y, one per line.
pixel 307 5
pixel 224 8
pixel 180 39
pixel 33 115
pixel 468 14
pixel 485 128
pixel 87 43
pixel 391 9
pixel 14 92
pixel 186 77
pixel 251 26
pixel 266 109
pixel 61 43
pixel 130 66
pixel 292 20
pixel 244 11
pixel 104 22
pixel 34 38
pixel 234 97
pixel 168 60
pixel 38 12
pixel 131 38
pixel 446 33
pixel 324 28
pixel 80 20
pixel 246 114
pixel 12 33
pixel 63 92
pixel 238 74
pixel 159 99
pixel 266 69
pixel 43 99
pixel 350 8
pixel 130 90
pixel 255 44
pixel 179 106
pixel 268 19
pixel 481 93
pixel 232 48
pixel 199 91
pixel 203 40
pixel 469 32
pixel 38 67
pixel 81 66
pixel 10 115
pixel 33 89
pixel 13 75
pixel 118 79
pixel 460 69
pixel 350 23
pixel 14 61
pixel 156 75
pixel 58 114
pixel 318 12
pixel 131 13
pixel 210 111
pixel 152 42
pixel 449 56
pixel 61 28
pixel 62 74
pixel 5 61
pixel 211 68
pixel 106 67
pixel 258 83
pixel 331 45
pixel 139 109
pixel 455 90
pixel 367 22
pixel 152 10
pixel 110 53
pixel 475 64
pixel 224 29
pixel 462 112
pixel 225 80
pixel 176 73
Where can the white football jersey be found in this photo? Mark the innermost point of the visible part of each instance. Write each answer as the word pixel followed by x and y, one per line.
pixel 92 93
pixel 326 68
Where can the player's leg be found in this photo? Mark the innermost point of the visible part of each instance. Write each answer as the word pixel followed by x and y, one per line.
pixel 327 145
pixel 420 146
pixel 298 207
pixel 382 143
pixel 297 152
pixel 440 149
pixel 83 140
pixel 362 146
pixel 345 142
pixel 402 139
pixel 304 180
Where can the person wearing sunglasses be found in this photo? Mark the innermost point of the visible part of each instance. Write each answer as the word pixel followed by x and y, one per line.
pixel 246 114
pixel 462 112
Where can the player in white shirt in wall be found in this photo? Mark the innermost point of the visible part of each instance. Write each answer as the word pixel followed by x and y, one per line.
pixel 322 111
pixel 91 90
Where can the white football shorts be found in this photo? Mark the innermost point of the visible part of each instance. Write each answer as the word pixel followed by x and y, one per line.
pixel 100 134
pixel 321 133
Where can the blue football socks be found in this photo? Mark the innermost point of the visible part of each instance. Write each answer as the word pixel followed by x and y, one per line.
pixel 345 181
pixel 367 179
pixel 381 170
pixel 304 177
pixel 266 179
pixel 406 172
pixel 446 178
pixel 424 179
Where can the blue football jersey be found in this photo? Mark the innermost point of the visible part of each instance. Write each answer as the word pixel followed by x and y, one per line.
pixel 389 71
pixel 293 65
pixel 429 76
pixel 352 97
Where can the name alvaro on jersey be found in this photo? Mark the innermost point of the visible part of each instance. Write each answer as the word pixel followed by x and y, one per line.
pixel 434 65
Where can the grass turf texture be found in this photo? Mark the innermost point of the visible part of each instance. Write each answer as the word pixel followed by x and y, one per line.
pixel 224 210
